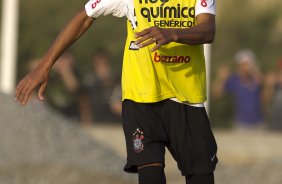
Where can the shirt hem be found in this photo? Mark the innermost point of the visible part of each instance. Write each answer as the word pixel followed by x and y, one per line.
pixel 157 98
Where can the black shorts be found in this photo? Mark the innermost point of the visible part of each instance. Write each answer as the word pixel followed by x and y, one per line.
pixel 183 129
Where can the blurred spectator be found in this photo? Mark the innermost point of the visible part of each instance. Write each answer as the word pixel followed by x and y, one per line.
pixel 115 100
pixel 272 96
pixel 245 86
pixel 102 100
pixel 63 93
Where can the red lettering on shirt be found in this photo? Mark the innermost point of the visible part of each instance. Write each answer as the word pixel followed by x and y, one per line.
pixel 204 3
pixel 95 3
pixel 171 59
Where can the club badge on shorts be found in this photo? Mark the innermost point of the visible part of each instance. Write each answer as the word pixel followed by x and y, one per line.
pixel 138 145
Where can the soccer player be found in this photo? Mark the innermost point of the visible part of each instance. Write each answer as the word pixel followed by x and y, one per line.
pixel 163 83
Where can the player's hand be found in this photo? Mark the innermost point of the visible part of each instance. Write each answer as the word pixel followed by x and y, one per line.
pixel 36 78
pixel 154 35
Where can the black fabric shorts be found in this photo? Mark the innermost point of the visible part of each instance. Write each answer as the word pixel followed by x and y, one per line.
pixel 183 129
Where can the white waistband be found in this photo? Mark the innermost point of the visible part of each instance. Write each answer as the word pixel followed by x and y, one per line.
pixel 187 103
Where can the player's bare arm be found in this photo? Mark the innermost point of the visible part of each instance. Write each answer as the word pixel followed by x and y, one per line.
pixel 202 33
pixel 40 75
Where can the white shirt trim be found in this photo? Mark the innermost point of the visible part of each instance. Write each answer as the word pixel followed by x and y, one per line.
pixel 205 6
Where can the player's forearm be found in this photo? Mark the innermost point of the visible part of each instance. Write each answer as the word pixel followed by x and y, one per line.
pixel 73 30
pixel 200 34
pixel 203 32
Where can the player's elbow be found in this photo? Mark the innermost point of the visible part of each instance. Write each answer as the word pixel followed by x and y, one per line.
pixel 209 38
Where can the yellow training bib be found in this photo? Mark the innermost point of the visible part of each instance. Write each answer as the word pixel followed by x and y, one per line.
pixel 175 70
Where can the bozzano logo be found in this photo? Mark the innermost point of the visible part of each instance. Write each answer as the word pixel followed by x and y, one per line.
pixel 171 59
pixel 167 12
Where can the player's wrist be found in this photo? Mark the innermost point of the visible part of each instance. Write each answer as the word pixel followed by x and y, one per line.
pixel 45 66
pixel 174 36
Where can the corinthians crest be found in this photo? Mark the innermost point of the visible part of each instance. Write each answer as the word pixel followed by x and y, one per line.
pixel 138 145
